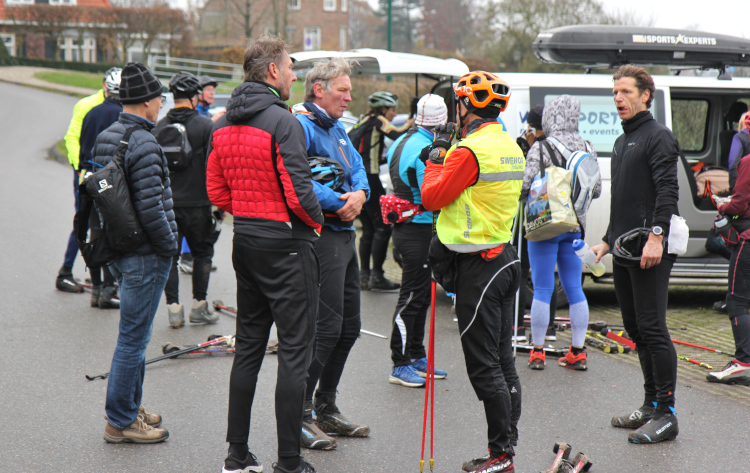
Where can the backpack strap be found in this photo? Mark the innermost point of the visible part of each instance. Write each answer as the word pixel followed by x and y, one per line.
pixel 122 147
pixel 564 151
pixel 552 155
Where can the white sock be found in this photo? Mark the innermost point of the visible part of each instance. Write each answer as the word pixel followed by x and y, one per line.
pixel 579 322
pixel 539 321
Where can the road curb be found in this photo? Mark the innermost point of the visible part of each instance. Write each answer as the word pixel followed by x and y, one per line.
pixel 54 153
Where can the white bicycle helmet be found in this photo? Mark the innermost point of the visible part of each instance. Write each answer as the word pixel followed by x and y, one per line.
pixel 382 99
pixel 112 80
pixel 431 111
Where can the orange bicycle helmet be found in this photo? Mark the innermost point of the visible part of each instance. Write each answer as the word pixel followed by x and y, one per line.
pixel 481 89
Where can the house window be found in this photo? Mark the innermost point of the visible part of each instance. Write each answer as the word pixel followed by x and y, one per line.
pixel 344 5
pixel 63 2
pixel 311 40
pixel 19 2
pixel 70 50
pixel 294 4
pixel 10 42
pixel 329 5
pixel 342 37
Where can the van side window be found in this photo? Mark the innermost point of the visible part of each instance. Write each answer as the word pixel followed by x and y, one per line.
pixel 690 123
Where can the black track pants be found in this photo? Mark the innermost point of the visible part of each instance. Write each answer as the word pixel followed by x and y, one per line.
pixel 193 223
pixel 738 299
pixel 413 242
pixel 485 292
pixel 277 281
pixel 338 323
pixel 375 233
pixel 642 295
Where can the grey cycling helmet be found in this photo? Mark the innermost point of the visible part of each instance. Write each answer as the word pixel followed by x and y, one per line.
pixel 112 80
pixel 208 80
pixel 184 85
pixel 382 99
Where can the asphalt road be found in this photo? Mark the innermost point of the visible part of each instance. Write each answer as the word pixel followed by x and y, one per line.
pixel 53 418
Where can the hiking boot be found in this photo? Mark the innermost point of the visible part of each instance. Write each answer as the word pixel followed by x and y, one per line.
pixel 499 464
pixel 551 335
pixel 152 419
pixel 201 314
pixel 108 298
pixel 67 283
pixel 406 376
pixel 312 437
pixel 233 464
pixel 364 279
pixel 473 465
pixel 95 291
pixel 520 336
pixel 138 432
pixel 637 419
pixel 537 359
pixel 379 283
pixel 734 372
pixel 330 419
pixel 303 467
pixel 663 426
pixel 420 366
pixel 573 361
pixel 176 315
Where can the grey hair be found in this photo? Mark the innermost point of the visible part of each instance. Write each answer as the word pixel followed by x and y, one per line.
pixel 324 72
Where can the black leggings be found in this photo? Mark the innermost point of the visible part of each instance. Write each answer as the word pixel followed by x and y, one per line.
pixel 195 224
pixel 375 234
pixel 642 295
pixel 338 323
pixel 738 300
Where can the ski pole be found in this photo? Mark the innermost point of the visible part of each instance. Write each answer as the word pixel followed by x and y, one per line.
pixel 522 284
pixel 367 332
pixel 215 341
pixel 701 347
pixel 703 365
pixel 219 305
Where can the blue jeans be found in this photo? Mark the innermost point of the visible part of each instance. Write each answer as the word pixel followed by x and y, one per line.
pixel 142 280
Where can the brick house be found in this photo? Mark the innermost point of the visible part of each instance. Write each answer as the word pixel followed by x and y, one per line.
pixel 305 24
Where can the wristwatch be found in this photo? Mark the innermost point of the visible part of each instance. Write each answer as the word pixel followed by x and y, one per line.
pixel 657 230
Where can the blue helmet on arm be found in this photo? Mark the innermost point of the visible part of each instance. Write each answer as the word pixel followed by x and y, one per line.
pixel 327 172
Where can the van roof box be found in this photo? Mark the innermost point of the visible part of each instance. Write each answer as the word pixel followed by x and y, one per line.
pixel 612 46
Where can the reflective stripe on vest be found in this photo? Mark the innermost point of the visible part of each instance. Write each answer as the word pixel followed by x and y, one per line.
pixel 481 217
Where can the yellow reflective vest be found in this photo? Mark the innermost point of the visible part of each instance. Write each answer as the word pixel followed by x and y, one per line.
pixel 481 217
pixel 73 136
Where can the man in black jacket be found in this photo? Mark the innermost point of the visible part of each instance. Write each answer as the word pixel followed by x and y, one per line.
pixel 142 273
pixel 103 292
pixel 192 209
pixel 644 194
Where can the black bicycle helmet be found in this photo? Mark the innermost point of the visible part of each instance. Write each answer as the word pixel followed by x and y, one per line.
pixel 327 172
pixel 208 80
pixel 628 247
pixel 184 85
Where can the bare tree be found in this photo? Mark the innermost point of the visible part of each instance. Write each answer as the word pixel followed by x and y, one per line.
pixel 247 14
pixel 364 25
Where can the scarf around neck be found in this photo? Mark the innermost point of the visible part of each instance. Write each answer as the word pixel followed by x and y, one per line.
pixel 320 115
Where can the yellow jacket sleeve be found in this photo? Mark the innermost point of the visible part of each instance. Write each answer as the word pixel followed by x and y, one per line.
pixel 73 136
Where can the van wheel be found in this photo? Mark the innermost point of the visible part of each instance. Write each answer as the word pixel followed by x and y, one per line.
pixel 562 299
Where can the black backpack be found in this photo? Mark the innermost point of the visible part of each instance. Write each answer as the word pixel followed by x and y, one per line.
pixel 174 141
pixel 115 228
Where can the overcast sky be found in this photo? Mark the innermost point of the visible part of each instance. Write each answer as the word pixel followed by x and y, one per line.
pixel 730 17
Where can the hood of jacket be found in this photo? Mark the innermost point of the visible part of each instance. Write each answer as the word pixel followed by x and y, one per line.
pixel 560 120
pixel 181 114
pixel 251 98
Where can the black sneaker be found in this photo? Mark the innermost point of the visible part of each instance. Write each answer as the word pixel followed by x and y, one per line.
pixel 379 283
pixel 637 419
pixel 303 467
pixel 67 283
pixel 234 465
pixel 551 335
pixel 312 437
pixel 660 428
pixel 330 419
pixel 501 464
pixel 108 298
pixel 95 291
pixel 364 280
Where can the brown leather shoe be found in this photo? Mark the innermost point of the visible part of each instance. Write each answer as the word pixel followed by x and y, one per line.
pixel 138 432
pixel 154 420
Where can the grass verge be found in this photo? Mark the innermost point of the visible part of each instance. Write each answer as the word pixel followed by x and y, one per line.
pixel 75 79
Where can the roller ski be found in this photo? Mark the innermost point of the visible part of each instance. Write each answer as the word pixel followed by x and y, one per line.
pixel 563 463
pixel 226 347
pixel 225 309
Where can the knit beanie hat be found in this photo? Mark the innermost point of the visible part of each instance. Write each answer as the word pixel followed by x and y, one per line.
pixel 535 116
pixel 138 84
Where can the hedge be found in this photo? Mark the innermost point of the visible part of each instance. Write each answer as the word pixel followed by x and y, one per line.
pixel 95 67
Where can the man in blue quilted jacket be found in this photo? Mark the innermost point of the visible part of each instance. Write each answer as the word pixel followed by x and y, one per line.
pixel 141 274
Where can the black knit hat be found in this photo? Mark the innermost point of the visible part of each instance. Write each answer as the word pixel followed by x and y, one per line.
pixel 535 116
pixel 138 84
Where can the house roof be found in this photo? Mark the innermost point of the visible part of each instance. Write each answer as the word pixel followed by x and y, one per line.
pixel 79 3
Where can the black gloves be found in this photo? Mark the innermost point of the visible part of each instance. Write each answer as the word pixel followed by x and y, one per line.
pixel 444 135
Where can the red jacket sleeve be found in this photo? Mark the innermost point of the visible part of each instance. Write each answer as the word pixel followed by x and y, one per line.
pixel 741 194
pixel 216 184
pixel 442 184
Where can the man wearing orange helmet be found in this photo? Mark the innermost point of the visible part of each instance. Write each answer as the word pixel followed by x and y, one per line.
pixel 476 184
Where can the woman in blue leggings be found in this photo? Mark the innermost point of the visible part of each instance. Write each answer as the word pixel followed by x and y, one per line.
pixel 559 120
